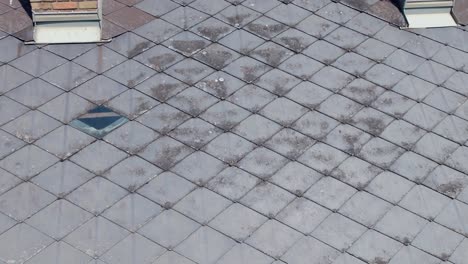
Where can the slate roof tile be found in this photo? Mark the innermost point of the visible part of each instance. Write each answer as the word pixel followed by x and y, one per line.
pixel 259 132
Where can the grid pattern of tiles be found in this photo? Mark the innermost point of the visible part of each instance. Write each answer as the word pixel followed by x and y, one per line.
pixel 260 132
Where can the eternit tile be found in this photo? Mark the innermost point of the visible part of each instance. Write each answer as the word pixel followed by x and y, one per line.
pixel 273 238
pixel 252 97
pixel 238 221
pixel 241 253
pixel 38 62
pixel 60 252
pixel 347 138
pixel 209 7
pixel 130 73
pixel 262 162
pixel 24 200
pixel 277 82
pixel 132 212
pixel 28 162
pixel 34 93
pixel 161 87
pixel 282 13
pixel 241 41
pixel 132 173
pixel 337 12
pixel 199 167
pixel 195 132
pixel 172 257
pixel 446 181
pixel 290 143
pixel 157 30
pixel 303 215
pixel 435 147
pixel 283 111
pixel 310 248
pixel 232 183
pixel 11 78
pixel 130 18
pixel 237 16
pixel 266 27
pixel 323 158
pixel 165 152
pixel 163 118
pixel 393 104
pixel 345 38
pixel 68 76
pixel 229 147
pixel 97 195
pixel 9 144
pixel 316 26
pixel 365 208
pixel 460 254
pixel 132 103
pixel 424 202
pixel 194 205
pixel 186 43
pixel 413 166
pixel 247 69
pixel 216 56
pixel 389 186
pixel 427 240
pixel 169 228
pixel 295 177
pixel 99 89
pixel 212 29
pixel 100 59
pixel 301 66
pixel 64 141
pixel 267 198
pixel 62 178
pixel 59 219
pixel 13 48
pixel 453 217
pixel 324 51
pixel 380 152
pixel 7 181
pixel 134 248
pixel 408 254
pixel 374 247
pixel 332 78
pixel 99 157
pixel 458 158
pixel 402 133
pixel 256 128
pixel 21 243
pixel 401 225
pixel 225 115
pixel 294 39
pixel 66 107
pixel 338 231
pixel 189 71
pixel 205 245
pixel 366 24
pixel 166 189
pixel 96 236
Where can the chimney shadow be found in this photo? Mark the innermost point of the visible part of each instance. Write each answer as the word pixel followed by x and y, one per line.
pixel 26 5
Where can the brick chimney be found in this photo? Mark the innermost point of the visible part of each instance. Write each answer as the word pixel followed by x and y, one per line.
pixel 66 21
pixel 63 5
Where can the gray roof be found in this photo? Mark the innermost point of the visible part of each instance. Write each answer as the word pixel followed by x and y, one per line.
pixel 259 132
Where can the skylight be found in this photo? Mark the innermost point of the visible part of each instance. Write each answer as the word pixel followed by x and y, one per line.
pixel 99 122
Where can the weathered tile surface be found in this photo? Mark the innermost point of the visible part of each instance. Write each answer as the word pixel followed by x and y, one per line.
pixel 260 131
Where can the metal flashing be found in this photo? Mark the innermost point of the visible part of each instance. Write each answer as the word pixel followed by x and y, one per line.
pixel 428 13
